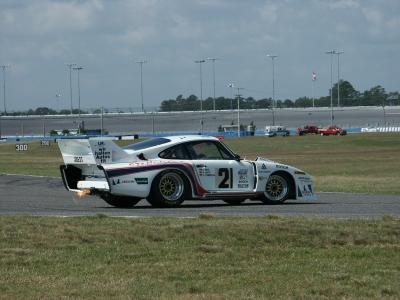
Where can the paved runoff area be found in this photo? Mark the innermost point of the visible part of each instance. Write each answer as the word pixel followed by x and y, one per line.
pixel 46 196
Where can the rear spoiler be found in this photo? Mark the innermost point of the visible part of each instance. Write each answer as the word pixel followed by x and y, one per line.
pixel 95 151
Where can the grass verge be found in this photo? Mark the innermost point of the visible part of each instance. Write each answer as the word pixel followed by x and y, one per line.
pixel 201 258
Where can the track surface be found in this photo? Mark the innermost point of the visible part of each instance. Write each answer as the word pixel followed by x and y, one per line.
pixel 190 121
pixel 27 195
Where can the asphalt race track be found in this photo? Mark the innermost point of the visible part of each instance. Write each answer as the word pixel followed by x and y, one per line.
pixel 190 121
pixel 46 196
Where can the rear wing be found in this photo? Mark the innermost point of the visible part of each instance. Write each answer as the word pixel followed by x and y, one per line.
pixel 95 151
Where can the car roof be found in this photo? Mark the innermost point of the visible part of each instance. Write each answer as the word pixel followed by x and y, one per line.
pixel 169 141
pixel 190 138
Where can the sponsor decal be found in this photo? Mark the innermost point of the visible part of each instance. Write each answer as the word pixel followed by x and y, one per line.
pixel 142 180
pixel 305 179
pixel 299 173
pixel 242 172
pixel 203 170
pixel 78 159
pixel 281 167
pixel 305 191
pixel 264 169
pixel 243 181
pixel 102 155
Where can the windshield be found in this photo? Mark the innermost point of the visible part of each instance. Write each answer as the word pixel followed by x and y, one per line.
pixel 147 144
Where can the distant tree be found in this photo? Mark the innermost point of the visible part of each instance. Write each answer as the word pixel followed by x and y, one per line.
pixel 348 95
pixel 303 102
pixel 44 111
pixel 288 103
pixel 374 96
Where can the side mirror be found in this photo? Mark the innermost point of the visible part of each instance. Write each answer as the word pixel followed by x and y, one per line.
pixel 237 157
pixel 141 156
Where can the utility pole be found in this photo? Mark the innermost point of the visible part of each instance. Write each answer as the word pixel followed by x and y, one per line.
pixel 4 67
pixel 200 62
pixel 141 62
pixel 238 109
pixel 331 53
pixel 213 66
pixel 70 83
pixel 78 69
pixel 273 86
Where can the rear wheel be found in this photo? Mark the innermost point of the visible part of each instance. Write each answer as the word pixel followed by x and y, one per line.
pixel 120 201
pixel 169 189
pixel 277 189
pixel 234 201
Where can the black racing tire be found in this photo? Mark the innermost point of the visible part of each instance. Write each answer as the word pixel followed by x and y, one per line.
pixel 120 201
pixel 169 189
pixel 277 189
pixel 234 201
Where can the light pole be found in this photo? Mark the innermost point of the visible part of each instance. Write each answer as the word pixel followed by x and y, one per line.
pixel 200 62
pixel 141 62
pixel 70 83
pixel 238 109
pixel 273 86
pixel 232 86
pixel 78 69
pixel 4 67
pixel 338 77
pixel 58 95
pixel 331 54
pixel 313 79
pixel 213 66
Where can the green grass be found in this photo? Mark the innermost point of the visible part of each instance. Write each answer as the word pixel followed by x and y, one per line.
pixel 200 258
pixel 361 163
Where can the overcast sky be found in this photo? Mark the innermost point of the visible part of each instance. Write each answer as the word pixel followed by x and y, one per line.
pixel 107 37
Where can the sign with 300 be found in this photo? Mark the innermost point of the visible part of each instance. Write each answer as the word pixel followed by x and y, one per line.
pixel 21 147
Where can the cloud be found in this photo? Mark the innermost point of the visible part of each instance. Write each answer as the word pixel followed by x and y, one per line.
pixel 46 17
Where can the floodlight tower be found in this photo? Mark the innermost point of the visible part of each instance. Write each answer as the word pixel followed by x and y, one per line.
pixel 70 83
pixel 338 77
pixel 141 62
pixel 200 62
pixel 238 109
pixel 78 69
pixel 58 95
pixel 4 67
pixel 331 53
pixel 273 86
pixel 213 66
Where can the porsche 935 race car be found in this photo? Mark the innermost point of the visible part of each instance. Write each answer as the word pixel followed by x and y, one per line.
pixel 168 170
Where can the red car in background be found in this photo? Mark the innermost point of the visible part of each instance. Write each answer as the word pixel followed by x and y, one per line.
pixel 332 130
pixel 308 129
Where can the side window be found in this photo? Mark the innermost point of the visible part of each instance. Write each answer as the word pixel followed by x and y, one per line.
pixel 175 152
pixel 205 150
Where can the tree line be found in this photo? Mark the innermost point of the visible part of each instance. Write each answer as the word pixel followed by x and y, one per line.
pixel 376 96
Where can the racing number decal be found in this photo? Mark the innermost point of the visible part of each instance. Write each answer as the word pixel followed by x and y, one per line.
pixel 226 182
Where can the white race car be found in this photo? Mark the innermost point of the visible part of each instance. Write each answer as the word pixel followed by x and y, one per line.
pixel 168 170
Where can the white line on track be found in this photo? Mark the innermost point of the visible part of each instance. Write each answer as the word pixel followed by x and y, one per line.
pixel 35 176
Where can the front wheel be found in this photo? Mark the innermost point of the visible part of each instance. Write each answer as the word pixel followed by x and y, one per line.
pixel 120 201
pixel 276 190
pixel 169 189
